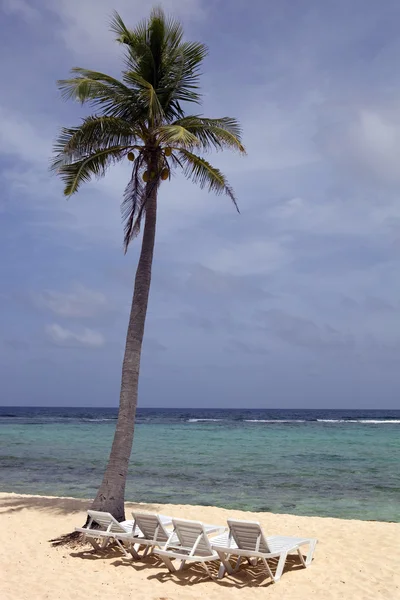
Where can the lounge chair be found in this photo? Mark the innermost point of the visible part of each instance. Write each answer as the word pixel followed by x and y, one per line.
pixel 148 530
pixel 103 528
pixel 189 542
pixel 246 539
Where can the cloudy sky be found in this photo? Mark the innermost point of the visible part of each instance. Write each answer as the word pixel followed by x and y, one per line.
pixel 293 303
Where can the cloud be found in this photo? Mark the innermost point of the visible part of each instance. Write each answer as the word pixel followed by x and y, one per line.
pixel 198 321
pixel 153 347
pixel 17 345
pixel 84 23
pixel 23 138
pixel 250 257
pixel 364 142
pixel 206 280
pixel 305 275
pixel 78 303
pixel 374 303
pixel 215 320
pixel 87 338
pixel 283 139
pixel 246 347
pixel 300 331
pixel 20 8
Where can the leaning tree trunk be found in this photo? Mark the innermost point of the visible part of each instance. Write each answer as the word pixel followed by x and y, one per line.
pixel 111 494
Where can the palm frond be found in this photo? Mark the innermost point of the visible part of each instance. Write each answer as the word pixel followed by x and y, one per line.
pixel 173 31
pixel 95 133
pixel 100 90
pixel 217 134
pixel 180 80
pixel 176 135
pixel 132 203
pixel 147 96
pixel 135 199
pixel 80 171
pixel 138 58
pixel 156 41
pixel 149 43
pixel 202 172
pixel 156 54
pixel 118 27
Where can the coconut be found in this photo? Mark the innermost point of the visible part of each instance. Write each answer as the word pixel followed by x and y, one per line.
pixel 164 174
pixel 168 152
pixel 131 156
pixel 146 176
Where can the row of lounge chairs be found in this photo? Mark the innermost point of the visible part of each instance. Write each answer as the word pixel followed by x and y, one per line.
pixel 179 541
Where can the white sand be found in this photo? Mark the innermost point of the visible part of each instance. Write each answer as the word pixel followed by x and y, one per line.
pixel 354 560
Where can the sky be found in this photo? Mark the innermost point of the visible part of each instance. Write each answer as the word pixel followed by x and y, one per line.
pixel 294 302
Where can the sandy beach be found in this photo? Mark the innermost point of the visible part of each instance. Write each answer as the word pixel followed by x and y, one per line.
pixel 354 559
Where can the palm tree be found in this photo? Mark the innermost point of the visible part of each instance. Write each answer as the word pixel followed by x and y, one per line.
pixel 141 118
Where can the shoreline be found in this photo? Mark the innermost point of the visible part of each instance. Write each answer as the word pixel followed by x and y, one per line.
pixel 143 505
pixel 353 559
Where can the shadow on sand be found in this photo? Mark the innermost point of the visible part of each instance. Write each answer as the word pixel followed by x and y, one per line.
pixel 248 576
pixel 55 505
pixel 61 506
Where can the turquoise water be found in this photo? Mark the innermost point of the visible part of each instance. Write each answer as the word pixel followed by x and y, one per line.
pixel 326 463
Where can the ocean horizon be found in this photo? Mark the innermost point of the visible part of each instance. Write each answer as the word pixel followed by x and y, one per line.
pixel 325 462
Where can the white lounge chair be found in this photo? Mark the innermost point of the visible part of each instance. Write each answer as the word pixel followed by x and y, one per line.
pixel 149 530
pixel 189 542
pixel 109 530
pixel 246 539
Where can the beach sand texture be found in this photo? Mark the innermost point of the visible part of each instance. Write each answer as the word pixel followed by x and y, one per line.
pixel 356 560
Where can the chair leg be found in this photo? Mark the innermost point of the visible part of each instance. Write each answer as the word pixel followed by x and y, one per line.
pixel 94 543
pixel 225 564
pixel 181 566
pixel 121 547
pixel 239 560
pixel 303 562
pixel 311 549
pixel 268 569
pixel 104 543
pixel 168 563
pixel 279 568
pixel 207 570
pixel 133 551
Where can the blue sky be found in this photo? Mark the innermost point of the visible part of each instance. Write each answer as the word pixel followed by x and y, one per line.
pixel 293 303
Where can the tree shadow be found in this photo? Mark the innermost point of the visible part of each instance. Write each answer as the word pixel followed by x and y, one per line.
pixel 60 505
pixel 52 504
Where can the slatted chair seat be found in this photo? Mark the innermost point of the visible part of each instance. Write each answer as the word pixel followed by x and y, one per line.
pixel 193 545
pixel 246 539
pixel 102 529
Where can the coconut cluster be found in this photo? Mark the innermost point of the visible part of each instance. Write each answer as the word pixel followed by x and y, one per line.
pixel 149 175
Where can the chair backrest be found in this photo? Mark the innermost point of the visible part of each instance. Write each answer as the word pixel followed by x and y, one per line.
pixel 105 521
pixel 248 535
pixel 192 536
pixel 151 526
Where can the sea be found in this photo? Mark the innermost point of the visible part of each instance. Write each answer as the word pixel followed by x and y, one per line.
pixel 336 463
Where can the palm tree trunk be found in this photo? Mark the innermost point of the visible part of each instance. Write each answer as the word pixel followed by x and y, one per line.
pixel 111 494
